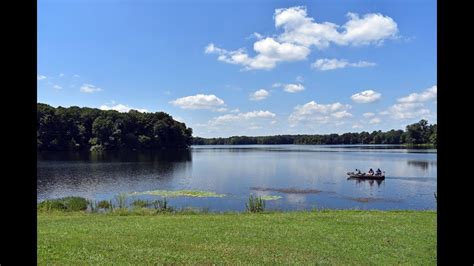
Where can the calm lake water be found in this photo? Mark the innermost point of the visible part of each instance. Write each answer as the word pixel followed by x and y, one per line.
pixel 305 176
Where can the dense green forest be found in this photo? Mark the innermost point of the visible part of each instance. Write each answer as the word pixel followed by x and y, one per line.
pixel 75 128
pixel 414 134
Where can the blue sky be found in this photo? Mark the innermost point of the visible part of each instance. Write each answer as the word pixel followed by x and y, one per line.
pixel 243 68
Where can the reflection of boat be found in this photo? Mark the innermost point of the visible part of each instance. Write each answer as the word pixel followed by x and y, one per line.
pixel 366 176
pixel 370 181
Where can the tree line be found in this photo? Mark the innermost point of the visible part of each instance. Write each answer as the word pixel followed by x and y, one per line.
pixel 415 134
pixel 75 128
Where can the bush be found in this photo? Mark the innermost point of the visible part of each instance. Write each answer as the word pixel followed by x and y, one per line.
pixel 64 204
pixel 162 206
pixel 255 204
pixel 140 203
pixel 103 204
pixel 49 205
pixel 121 200
pixel 75 203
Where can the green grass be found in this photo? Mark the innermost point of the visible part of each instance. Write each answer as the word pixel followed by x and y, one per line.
pixel 318 237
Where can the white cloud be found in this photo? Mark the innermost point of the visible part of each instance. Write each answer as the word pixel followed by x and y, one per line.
pixel 274 50
pixel 367 96
pixel 241 117
pixel 292 88
pixel 199 101
pixel 211 48
pixel 313 112
pixel 408 111
pixel 89 88
pixel 413 105
pixel 331 64
pixel 362 64
pixel 301 32
pixel 40 77
pixel 276 85
pixel 269 53
pixel 61 75
pixel 374 120
pixel 222 109
pixel 57 87
pixel 76 76
pixel 259 95
pixel 341 114
pixel 236 110
pixel 121 108
pixel 367 115
pixel 372 28
pixel 357 126
pixel 256 114
pixel 256 35
pixel 426 95
pixel 300 79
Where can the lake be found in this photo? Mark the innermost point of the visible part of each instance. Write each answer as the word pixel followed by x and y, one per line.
pixel 301 176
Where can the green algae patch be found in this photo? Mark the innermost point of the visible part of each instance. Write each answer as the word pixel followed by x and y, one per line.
pixel 179 193
pixel 270 197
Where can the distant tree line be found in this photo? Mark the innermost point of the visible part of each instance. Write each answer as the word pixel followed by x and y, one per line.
pixel 75 128
pixel 414 134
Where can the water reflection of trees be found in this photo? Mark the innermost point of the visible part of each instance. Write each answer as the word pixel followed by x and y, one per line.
pixel 423 164
pixel 108 171
pixel 118 156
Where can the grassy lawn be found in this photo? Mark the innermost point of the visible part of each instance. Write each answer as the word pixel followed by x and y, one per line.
pixel 328 237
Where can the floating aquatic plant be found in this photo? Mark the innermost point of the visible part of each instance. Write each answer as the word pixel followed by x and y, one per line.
pixel 270 197
pixel 180 193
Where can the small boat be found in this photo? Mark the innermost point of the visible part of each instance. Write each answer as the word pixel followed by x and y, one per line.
pixel 366 176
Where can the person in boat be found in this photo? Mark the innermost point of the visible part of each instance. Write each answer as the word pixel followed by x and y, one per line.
pixel 357 171
pixel 378 172
pixel 371 172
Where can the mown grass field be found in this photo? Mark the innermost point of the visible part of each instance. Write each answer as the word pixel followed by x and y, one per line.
pixel 316 237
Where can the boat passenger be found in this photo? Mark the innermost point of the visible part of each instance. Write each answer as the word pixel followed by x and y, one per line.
pixel 371 172
pixel 378 172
